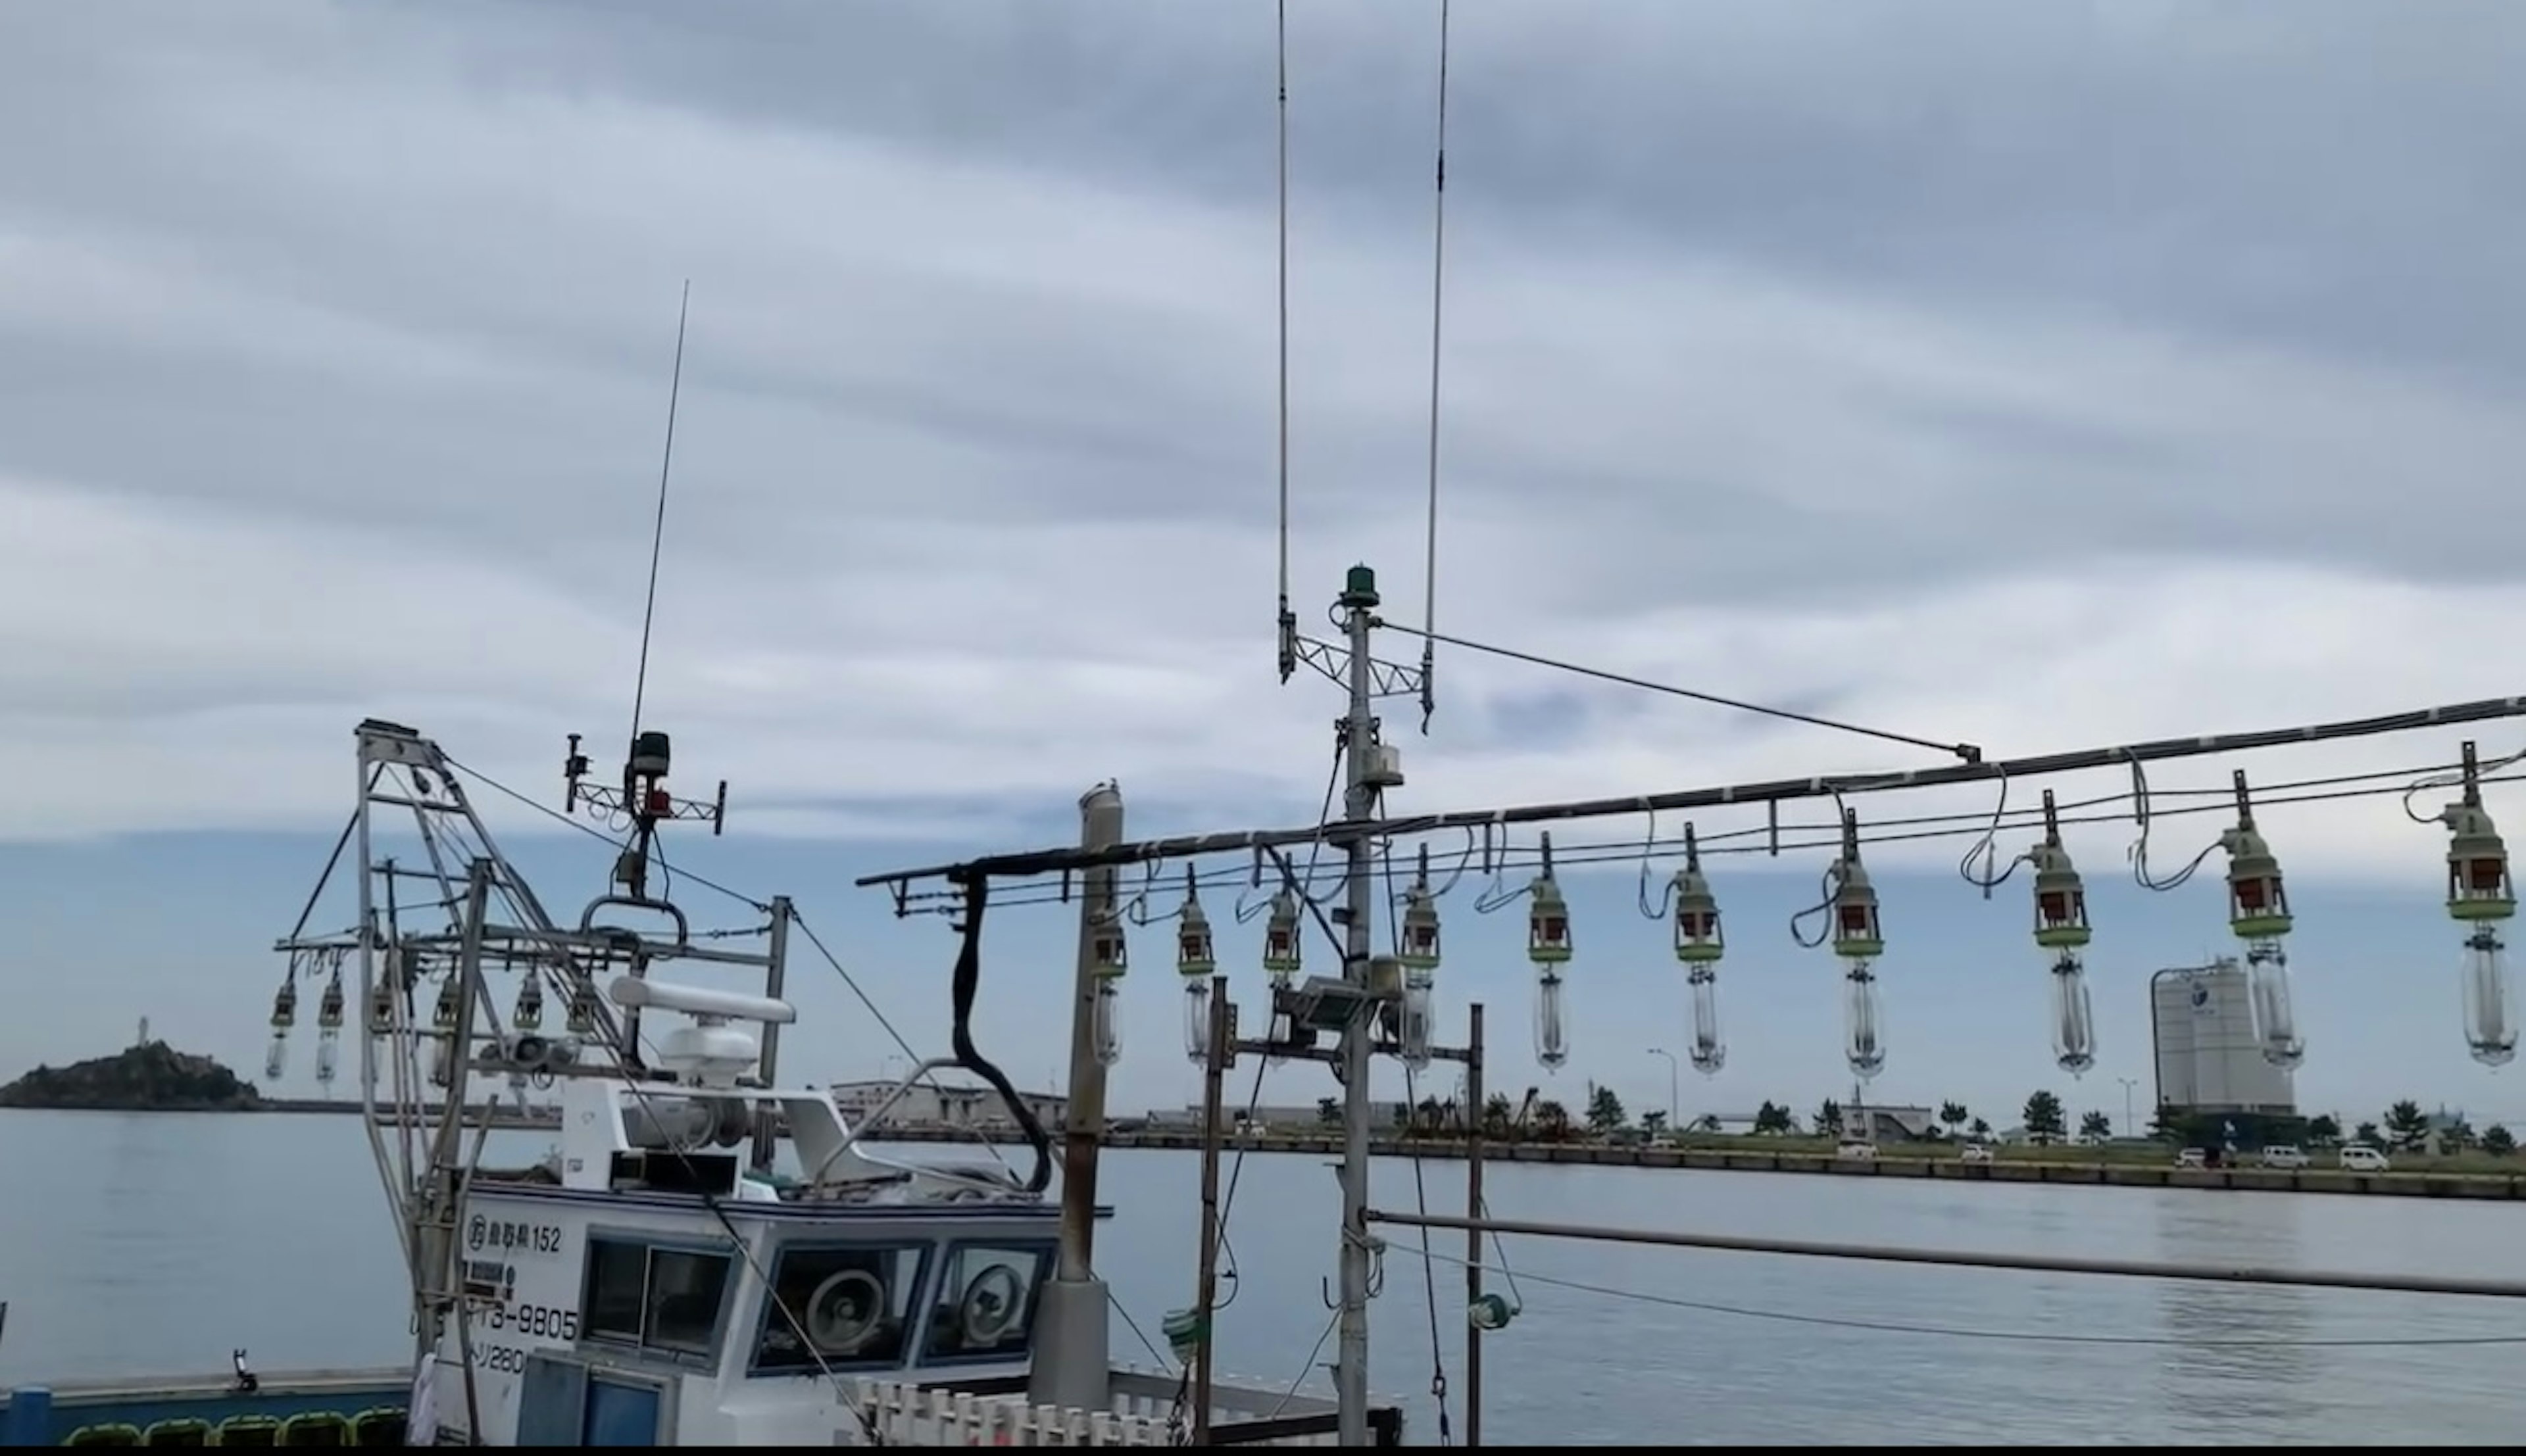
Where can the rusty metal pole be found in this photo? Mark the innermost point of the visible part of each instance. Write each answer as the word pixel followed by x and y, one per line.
pixel 1214 1075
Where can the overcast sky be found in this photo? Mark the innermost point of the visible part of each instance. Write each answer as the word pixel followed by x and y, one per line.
pixel 2039 376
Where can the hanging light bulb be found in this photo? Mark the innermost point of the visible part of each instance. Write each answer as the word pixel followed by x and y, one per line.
pixel 1109 956
pixel 2062 930
pixel 1698 944
pixel 579 1016
pixel 329 1028
pixel 2480 896
pixel 284 1014
pixel 1858 940
pixel 381 1003
pixel 1281 955
pixel 1420 959
pixel 1548 945
pixel 2259 914
pixel 442 1046
pixel 1197 965
pixel 529 1015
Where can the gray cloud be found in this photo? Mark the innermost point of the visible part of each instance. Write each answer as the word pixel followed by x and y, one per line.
pixel 1791 351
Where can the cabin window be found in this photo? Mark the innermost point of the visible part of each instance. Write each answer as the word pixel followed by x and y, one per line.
pixel 840 1306
pixel 985 1303
pixel 659 1298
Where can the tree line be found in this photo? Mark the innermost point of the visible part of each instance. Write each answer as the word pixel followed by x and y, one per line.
pixel 2042 1120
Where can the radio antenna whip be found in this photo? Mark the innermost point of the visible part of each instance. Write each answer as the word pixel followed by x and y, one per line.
pixel 1288 620
pixel 658 532
pixel 1438 316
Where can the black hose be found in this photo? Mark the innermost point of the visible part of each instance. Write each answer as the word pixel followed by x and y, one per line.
pixel 968 979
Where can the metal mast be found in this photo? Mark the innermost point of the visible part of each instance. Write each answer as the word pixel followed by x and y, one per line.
pixel 1360 808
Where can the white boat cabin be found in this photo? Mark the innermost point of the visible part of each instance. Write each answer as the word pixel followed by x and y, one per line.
pixel 648 1288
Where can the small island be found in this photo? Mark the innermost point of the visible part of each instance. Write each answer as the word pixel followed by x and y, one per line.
pixel 151 1076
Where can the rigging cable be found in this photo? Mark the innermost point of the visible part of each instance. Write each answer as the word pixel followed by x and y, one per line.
pixel 658 533
pixel 1438 318
pixel 1966 752
pixel 1287 620
pixel 1948 1332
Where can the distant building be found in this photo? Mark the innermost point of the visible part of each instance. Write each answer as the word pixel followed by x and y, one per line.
pixel 1383 1116
pixel 1865 1123
pixel 2202 1027
pixel 931 1107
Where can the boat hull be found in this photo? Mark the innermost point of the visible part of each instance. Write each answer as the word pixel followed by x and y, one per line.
pixel 353 1407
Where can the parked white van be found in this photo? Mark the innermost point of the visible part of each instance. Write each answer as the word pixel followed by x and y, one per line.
pixel 2360 1159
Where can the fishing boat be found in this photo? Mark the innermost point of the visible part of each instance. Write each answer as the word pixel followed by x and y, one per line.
pixel 709 1256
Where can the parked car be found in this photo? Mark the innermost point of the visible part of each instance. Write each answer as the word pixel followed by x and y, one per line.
pixel 2284 1156
pixel 1974 1152
pixel 1858 1151
pixel 2193 1157
pixel 2362 1159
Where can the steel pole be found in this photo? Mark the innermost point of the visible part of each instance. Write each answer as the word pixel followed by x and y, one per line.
pixel 1359 805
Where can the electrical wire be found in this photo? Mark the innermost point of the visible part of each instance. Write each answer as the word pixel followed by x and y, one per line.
pixel 2027 1336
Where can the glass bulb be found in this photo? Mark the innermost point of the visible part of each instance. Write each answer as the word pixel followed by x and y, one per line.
pixel 278 1056
pixel 1551 1039
pixel 1709 1053
pixel 1105 1021
pixel 1197 1002
pixel 1863 1027
pixel 2490 1031
pixel 1412 1030
pixel 2275 1023
pixel 328 1050
pixel 2074 1027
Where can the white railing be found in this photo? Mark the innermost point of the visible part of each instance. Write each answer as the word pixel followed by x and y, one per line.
pixel 1142 1413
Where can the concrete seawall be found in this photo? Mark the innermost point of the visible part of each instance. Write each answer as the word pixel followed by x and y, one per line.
pixel 2067 1168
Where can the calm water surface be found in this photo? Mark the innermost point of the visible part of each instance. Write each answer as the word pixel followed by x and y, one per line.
pixel 137 1245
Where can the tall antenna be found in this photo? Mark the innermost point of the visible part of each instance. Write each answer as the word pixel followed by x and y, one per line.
pixel 1289 620
pixel 658 532
pixel 1438 317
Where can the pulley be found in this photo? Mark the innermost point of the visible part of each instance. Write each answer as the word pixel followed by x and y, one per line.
pixel 1489 1313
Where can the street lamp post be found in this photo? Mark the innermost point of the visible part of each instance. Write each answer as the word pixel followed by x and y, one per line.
pixel 2128 1084
pixel 1673 1110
